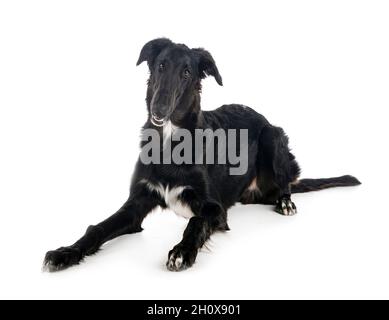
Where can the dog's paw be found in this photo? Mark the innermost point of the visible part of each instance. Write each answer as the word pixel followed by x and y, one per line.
pixel 181 258
pixel 286 207
pixel 61 259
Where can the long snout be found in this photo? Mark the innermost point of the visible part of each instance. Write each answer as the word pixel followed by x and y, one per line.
pixel 162 104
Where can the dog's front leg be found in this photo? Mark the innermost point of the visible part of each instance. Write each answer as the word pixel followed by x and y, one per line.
pixel 126 220
pixel 212 218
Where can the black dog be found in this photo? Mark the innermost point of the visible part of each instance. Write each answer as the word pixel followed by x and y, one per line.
pixel 202 192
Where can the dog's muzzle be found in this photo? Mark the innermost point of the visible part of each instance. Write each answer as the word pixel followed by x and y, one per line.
pixel 157 121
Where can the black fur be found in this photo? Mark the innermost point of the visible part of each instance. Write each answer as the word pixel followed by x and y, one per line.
pixel 173 94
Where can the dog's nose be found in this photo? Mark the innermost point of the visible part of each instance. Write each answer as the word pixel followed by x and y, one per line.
pixel 160 112
pixel 156 117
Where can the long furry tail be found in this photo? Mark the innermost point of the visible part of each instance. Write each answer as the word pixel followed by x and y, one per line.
pixel 307 185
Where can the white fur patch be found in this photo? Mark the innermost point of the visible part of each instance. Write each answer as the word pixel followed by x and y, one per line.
pixel 171 198
pixel 253 185
pixel 178 262
pixel 154 187
pixel 168 130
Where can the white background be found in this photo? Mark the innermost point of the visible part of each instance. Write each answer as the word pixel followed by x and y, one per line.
pixel 72 104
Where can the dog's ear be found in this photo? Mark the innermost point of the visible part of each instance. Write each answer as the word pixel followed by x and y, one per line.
pixel 152 49
pixel 207 66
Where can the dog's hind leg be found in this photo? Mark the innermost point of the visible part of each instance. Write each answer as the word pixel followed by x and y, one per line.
pixel 212 218
pixel 126 220
pixel 277 169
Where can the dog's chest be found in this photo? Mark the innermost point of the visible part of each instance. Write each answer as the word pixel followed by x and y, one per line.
pixel 171 196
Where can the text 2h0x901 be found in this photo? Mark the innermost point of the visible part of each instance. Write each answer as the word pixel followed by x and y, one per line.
pixel 213 309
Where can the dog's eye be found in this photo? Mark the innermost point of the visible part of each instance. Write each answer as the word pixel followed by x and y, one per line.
pixel 186 73
pixel 161 66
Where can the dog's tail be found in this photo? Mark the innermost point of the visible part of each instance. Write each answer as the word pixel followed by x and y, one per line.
pixel 307 185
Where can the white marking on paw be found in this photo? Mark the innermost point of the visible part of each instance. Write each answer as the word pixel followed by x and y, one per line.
pixel 170 264
pixel 175 263
pixel 178 262
pixel 284 208
pixel 290 208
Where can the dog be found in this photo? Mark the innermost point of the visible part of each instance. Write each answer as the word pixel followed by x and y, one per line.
pixel 201 192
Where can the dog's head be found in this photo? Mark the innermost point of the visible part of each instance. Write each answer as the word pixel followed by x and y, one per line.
pixel 175 75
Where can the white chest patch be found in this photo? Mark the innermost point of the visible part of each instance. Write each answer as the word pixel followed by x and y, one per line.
pixel 168 131
pixel 171 197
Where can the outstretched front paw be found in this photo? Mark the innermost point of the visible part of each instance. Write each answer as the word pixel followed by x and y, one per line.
pixel 181 258
pixel 61 258
pixel 285 206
